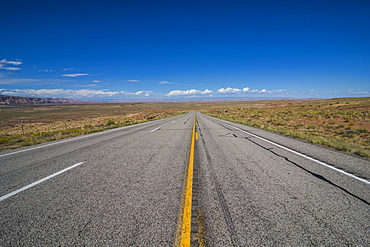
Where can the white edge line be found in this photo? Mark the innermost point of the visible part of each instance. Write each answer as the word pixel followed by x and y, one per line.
pixel 79 137
pixel 305 156
pixel 155 129
pixel 38 182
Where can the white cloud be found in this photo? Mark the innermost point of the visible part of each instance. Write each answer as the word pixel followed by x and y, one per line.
pixel 73 94
pixel 207 91
pixel 141 93
pixel 247 90
pixel 222 91
pixel 229 90
pixel 4 63
pixel 87 85
pixel 188 92
pixel 75 75
pixel 8 68
pixel 66 69
pixel 166 82
pixel 96 81
pixel 134 81
pixel 357 91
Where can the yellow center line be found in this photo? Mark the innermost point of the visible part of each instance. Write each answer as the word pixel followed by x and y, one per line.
pixel 188 200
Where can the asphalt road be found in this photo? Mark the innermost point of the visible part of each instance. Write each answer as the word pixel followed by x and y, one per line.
pixel 255 193
pixel 125 186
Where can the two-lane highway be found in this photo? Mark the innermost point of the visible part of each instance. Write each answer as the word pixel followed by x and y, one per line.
pixel 127 187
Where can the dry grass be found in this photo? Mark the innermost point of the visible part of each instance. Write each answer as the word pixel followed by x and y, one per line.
pixel 342 124
pixel 29 125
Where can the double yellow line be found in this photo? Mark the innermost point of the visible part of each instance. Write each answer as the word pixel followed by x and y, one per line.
pixel 184 237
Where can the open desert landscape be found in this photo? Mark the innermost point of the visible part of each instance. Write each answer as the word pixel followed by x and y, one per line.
pixel 343 123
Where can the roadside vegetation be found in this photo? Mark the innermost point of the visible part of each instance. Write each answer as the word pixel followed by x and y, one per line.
pixel 343 124
pixel 29 125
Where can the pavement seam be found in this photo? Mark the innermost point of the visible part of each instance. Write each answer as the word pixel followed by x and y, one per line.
pixel 220 196
pixel 198 234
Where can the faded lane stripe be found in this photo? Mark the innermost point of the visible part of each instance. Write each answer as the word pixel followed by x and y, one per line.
pixel 38 182
pixel 304 156
pixel 155 129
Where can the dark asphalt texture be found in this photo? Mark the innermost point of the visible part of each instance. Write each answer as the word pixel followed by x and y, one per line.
pixel 256 194
pixel 128 191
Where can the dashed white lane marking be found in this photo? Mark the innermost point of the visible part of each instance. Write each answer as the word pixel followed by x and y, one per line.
pixel 38 182
pixel 155 129
pixel 302 155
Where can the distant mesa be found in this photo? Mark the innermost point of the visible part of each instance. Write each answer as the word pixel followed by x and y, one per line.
pixel 17 100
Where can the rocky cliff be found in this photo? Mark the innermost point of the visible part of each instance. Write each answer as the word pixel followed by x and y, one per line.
pixel 16 100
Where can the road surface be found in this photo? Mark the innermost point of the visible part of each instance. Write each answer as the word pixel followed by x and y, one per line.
pixel 127 187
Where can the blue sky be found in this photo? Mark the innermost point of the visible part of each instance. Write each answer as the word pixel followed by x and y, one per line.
pixel 171 50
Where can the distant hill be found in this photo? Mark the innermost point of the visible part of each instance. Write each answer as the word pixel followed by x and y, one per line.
pixel 16 100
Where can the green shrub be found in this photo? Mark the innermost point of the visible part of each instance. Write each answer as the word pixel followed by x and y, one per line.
pixel 362 130
pixel 29 141
pixel 362 153
pixel 344 148
pixel 294 134
pixel 74 130
pixel 42 134
pixel 110 122
pixel 4 140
